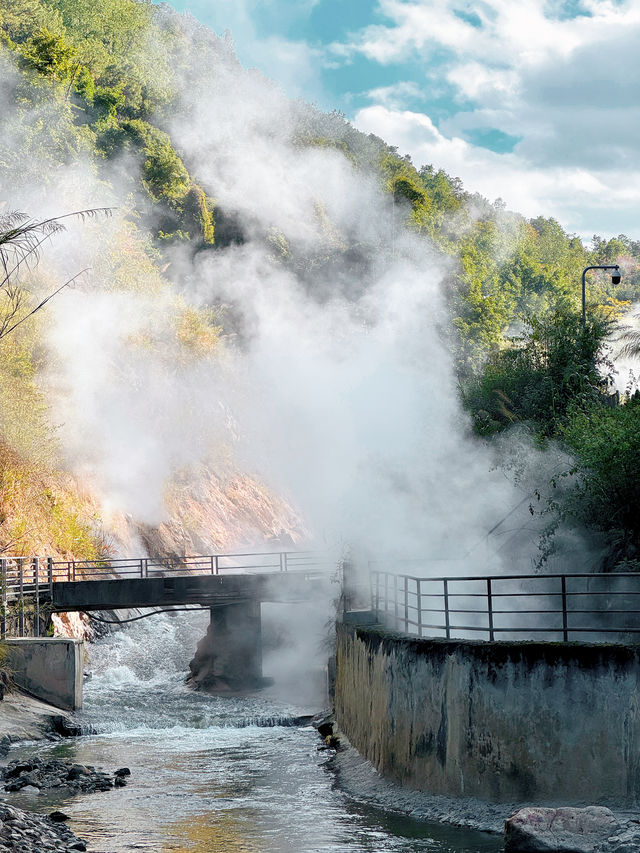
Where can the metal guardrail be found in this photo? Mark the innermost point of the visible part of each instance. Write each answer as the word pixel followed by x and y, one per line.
pixel 555 607
pixel 26 583
pixel 215 564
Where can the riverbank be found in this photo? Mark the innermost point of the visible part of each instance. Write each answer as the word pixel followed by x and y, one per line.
pixel 23 718
pixel 360 781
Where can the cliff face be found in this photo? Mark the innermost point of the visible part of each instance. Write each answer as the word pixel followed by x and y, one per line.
pixel 213 513
pixel 206 513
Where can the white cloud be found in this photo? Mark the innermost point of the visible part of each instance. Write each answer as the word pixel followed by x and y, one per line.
pixel 395 96
pixel 564 87
pixel 585 201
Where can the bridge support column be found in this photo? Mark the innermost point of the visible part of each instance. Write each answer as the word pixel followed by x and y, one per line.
pixel 229 657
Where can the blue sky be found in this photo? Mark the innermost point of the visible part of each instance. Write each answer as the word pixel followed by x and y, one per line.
pixel 534 102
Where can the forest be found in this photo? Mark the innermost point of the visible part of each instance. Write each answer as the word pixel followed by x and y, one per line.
pixel 100 84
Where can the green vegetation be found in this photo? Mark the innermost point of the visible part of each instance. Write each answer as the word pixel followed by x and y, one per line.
pixel 100 80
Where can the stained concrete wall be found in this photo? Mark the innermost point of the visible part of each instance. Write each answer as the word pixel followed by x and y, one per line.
pixel 49 668
pixel 537 722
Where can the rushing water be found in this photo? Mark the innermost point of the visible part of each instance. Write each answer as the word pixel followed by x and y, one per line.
pixel 213 774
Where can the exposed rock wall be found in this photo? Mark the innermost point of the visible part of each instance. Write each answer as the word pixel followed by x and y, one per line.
pixel 502 721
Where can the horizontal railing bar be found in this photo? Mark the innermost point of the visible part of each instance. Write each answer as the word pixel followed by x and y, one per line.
pixel 480 578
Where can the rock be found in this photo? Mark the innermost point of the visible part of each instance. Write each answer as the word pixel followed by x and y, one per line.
pixel 58 817
pixel 54 773
pixel 77 770
pixel 123 771
pixel 627 841
pixel 22 832
pixel 563 830
pixel 325 724
pixel 64 726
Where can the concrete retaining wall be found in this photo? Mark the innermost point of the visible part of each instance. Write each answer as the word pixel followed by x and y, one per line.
pixel 537 722
pixel 50 668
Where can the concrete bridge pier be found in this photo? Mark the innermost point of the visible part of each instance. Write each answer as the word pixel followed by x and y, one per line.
pixel 229 656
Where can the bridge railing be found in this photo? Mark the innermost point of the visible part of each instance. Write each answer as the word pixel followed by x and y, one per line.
pixel 26 582
pixel 554 607
pixel 215 564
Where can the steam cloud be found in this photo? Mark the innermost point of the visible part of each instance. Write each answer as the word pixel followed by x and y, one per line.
pixel 338 390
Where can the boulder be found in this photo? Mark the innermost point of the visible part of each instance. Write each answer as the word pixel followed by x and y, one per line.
pixel 563 830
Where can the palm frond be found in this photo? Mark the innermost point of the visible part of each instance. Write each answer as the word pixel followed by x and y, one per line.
pixel 20 242
pixel 631 348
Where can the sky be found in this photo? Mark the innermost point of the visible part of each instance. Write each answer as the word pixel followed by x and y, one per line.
pixel 532 102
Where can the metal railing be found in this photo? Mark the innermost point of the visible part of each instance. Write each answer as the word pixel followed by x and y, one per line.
pixel 214 564
pixel 557 607
pixel 26 583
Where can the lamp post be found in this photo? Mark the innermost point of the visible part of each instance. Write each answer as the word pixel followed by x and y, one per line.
pixel 615 278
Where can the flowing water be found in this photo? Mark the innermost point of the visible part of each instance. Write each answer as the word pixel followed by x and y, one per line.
pixel 214 774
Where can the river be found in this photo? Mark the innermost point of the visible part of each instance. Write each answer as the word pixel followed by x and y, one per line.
pixel 214 774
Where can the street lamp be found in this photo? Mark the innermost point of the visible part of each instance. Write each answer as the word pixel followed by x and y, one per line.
pixel 615 279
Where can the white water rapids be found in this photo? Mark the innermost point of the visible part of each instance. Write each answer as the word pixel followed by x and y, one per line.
pixel 213 774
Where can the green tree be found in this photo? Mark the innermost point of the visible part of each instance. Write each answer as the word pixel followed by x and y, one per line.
pixel 606 443
pixel 49 54
pixel 557 364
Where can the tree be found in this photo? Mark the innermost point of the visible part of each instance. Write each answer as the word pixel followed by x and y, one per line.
pixel 555 365
pixel 606 444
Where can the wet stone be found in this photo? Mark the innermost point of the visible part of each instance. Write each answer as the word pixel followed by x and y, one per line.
pixel 56 773
pixel 23 832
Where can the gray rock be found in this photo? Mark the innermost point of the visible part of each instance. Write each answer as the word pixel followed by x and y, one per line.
pixel 563 830
pixel 627 841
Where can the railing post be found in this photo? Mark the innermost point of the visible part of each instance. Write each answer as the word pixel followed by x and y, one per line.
pixel 50 574
pixel 406 604
pixel 419 594
pixel 565 617
pixel 490 608
pixel 395 601
pixel 285 565
pixel 36 623
pixel 386 596
pixel 141 567
pixel 3 615
pixel 216 565
pixel 73 564
pixel 68 570
pixel 21 597
pixel 447 626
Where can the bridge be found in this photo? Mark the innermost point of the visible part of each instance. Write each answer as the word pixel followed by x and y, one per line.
pixel 231 586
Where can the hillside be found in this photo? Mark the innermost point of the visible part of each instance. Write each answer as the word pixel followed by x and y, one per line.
pixel 239 317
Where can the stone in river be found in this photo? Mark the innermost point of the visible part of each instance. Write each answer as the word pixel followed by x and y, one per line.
pixel 58 817
pixel 563 830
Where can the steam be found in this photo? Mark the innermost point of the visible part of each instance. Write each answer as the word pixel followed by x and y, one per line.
pixel 337 390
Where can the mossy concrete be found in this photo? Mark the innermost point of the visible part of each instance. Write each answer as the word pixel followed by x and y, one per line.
pixel 501 721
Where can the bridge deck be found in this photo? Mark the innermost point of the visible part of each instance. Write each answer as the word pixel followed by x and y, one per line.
pixel 207 590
